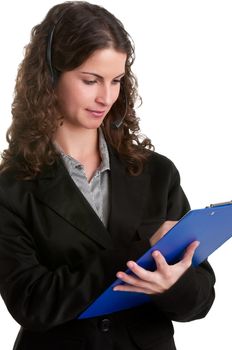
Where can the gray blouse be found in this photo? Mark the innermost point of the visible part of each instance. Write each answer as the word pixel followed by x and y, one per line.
pixel 97 190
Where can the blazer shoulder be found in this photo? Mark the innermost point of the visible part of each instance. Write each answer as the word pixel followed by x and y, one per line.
pixel 159 162
pixel 9 179
pixel 13 189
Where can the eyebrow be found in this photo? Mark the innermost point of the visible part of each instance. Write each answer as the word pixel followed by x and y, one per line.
pixel 100 77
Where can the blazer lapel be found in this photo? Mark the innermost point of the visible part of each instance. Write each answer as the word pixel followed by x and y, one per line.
pixel 128 195
pixel 56 189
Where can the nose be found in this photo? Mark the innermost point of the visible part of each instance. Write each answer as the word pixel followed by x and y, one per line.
pixel 105 95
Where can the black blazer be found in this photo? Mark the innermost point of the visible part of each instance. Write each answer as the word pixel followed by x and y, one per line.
pixel 56 257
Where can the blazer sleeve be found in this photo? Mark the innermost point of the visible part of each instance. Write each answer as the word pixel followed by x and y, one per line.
pixel 40 298
pixel 177 202
pixel 192 295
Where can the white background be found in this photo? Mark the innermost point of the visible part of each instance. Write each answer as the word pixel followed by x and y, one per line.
pixel 184 68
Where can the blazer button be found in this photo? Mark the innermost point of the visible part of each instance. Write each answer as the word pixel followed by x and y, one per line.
pixel 105 325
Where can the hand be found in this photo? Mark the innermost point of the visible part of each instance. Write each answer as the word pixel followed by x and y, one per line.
pixel 158 281
pixel 162 230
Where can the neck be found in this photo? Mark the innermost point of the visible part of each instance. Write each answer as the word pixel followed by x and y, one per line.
pixel 77 143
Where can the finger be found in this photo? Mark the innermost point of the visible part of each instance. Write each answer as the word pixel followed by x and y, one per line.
pixel 188 256
pixel 132 282
pixel 130 279
pixel 140 272
pixel 129 288
pixel 160 261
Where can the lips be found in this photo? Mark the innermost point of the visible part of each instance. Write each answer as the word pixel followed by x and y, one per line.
pixel 96 113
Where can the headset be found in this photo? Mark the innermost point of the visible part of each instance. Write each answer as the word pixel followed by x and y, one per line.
pixel 54 74
pixel 118 122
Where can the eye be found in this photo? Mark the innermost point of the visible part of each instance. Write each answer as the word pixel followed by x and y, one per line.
pixel 116 81
pixel 89 82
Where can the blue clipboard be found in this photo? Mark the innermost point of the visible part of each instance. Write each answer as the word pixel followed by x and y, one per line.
pixel 212 226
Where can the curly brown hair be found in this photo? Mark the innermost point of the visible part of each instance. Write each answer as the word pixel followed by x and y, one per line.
pixel 75 29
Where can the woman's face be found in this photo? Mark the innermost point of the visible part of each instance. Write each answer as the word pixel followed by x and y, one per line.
pixel 87 93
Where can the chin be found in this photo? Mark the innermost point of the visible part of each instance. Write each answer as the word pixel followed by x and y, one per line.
pixel 94 124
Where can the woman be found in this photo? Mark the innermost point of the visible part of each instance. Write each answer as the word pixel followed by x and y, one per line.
pixel 81 195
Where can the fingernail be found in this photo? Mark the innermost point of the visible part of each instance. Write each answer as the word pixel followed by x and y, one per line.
pixel 156 253
pixel 130 264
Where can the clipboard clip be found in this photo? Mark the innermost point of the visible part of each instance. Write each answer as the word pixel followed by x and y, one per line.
pixel 219 204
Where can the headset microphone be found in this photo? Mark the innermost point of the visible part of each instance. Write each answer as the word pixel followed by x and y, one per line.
pixel 118 122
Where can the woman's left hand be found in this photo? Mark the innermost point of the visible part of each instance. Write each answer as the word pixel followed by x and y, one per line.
pixel 158 281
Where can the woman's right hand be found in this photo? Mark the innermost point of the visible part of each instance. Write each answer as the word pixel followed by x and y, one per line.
pixel 162 230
